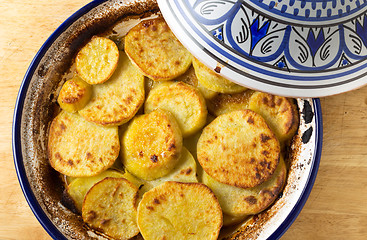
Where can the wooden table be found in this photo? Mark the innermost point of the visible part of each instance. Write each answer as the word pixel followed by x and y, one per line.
pixel 336 208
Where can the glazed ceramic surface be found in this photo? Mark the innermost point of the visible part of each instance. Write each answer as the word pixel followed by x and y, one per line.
pixel 287 47
pixel 36 106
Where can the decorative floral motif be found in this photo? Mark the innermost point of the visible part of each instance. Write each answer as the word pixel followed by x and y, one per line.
pixel 275 40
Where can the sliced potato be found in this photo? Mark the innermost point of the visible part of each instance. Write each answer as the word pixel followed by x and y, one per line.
pixel 226 102
pixel 185 171
pixel 239 202
pixel 177 211
pixel 279 112
pixel 213 81
pixel 97 60
pixel 74 94
pixel 239 149
pixel 229 220
pixel 110 207
pixel 156 51
pixel 151 145
pixel 78 148
pixel 191 142
pixel 118 100
pixel 189 77
pixel 80 186
pixel 182 100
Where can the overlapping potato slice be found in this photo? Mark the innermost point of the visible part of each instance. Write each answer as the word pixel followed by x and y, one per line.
pixel 239 202
pixel 185 171
pixel 110 207
pixel 156 51
pixel 229 220
pixel 97 60
pixel 177 211
pixel 190 78
pixel 213 81
pixel 279 112
pixel 74 94
pixel 226 102
pixel 239 149
pixel 185 103
pixel 151 145
pixel 117 101
pixel 79 148
pixel 78 188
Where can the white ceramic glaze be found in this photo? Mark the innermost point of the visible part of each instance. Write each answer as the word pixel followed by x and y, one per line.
pixel 293 48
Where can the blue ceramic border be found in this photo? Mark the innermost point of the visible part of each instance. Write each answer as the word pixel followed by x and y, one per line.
pixel 17 145
pixel 17 119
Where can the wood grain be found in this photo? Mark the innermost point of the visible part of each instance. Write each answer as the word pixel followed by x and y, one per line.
pixel 336 208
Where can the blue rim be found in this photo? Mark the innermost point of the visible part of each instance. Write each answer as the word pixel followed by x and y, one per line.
pixel 17 145
pixel 17 119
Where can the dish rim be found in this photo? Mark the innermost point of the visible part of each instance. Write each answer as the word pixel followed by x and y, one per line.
pixel 37 210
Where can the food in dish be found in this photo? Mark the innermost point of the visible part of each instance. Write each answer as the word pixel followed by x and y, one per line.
pixel 176 210
pixel 97 60
pixel 119 99
pixel 185 102
pixel 156 51
pixel 217 167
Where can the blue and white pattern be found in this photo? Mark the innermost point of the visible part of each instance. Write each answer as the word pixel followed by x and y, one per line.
pixel 304 48
pixel 288 43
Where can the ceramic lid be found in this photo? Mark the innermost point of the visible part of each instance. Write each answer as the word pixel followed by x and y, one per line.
pixel 297 48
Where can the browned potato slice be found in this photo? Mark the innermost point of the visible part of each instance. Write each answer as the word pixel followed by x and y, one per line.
pixel 97 60
pixel 79 148
pixel 240 202
pixel 177 211
pixel 156 51
pixel 185 103
pixel 110 207
pixel 116 101
pixel 239 149
pixel 279 112
pixel 80 186
pixel 213 81
pixel 226 102
pixel 151 145
pixel 74 94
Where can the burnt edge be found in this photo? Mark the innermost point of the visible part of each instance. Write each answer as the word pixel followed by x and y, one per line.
pixel 40 107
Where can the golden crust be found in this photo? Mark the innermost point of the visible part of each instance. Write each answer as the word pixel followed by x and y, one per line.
pixel 279 112
pixel 74 94
pixel 110 207
pixel 213 81
pixel 78 148
pixel 226 102
pixel 152 144
pixel 239 202
pixel 97 60
pixel 239 149
pixel 185 103
pixel 177 210
pixel 156 51
pixel 116 101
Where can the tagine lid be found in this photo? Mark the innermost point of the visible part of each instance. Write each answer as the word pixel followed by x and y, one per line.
pixel 293 48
